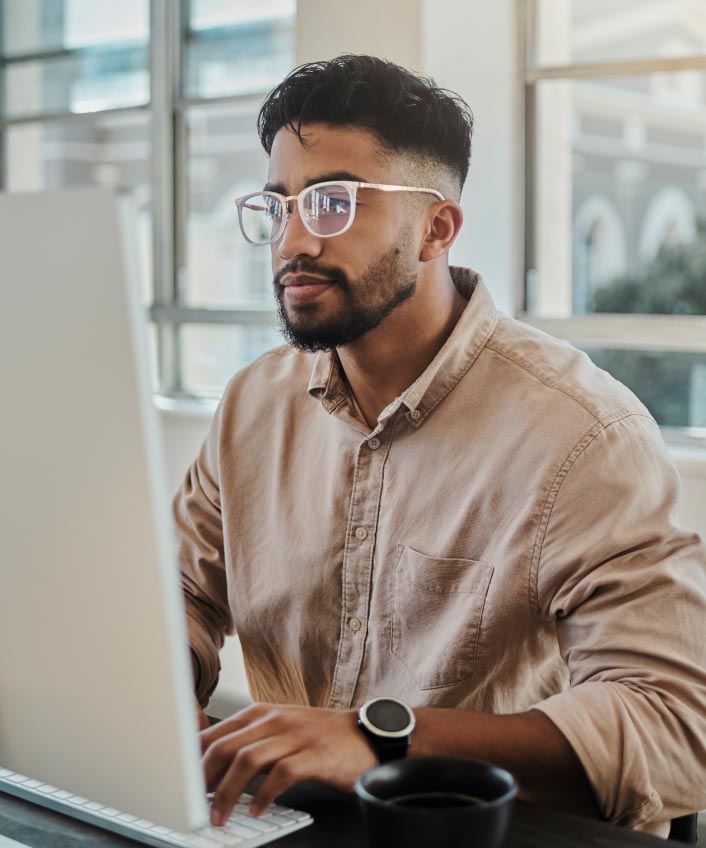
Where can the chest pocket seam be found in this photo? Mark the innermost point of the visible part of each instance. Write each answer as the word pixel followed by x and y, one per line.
pixel 437 609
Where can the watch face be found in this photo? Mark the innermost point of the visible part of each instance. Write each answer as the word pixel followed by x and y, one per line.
pixel 388 715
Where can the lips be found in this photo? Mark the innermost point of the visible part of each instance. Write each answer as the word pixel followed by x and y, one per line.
pixel 305 280
pixel 302 289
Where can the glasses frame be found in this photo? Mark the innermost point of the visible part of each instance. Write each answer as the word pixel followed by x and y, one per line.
pixel 351 186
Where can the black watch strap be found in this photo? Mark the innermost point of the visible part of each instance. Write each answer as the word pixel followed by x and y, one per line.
pixel 391 749
pixel 387 749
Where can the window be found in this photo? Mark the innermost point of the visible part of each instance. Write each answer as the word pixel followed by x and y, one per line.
pixel 615 187
pixel 161 98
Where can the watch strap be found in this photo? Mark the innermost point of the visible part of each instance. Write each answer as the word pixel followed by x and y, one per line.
pixel 385 748
pixel 392 749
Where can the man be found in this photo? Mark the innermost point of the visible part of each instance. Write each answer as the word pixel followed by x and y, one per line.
pixel 421 499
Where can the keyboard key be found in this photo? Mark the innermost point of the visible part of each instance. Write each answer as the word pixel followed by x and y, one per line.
pixel 180 838
pixel 221 836
pixel 94 806
pixel 47 789
pixel 126 817
pixel 297 815
pixel 62 794
pixel 5 772
pixel 241 829
pixel 198 841
pixel 18 778
pixel 251 821
pixel 143 824
pixel 274 818
pixel 110 811
pixel 74 800
pixel 161 830
pixel 33 784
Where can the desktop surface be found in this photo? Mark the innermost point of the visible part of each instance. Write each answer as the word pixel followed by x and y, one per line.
pixel 337 822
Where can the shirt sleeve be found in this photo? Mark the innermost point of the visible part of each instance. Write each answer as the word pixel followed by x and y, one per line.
pixel 197 514
pixel 627 590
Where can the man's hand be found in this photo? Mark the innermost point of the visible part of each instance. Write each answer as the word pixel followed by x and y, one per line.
pixel 291 743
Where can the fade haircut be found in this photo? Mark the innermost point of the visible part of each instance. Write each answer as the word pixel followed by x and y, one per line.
pixel 406 112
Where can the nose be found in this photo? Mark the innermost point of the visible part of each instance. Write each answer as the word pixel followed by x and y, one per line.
pixel 296 240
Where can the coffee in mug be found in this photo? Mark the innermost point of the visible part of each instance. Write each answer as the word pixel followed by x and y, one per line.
pixel 445 802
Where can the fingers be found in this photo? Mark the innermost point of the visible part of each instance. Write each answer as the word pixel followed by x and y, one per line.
pixel 232 772
pixel 293 743
pixel 241 746
pixel 250 717
pixel 288 771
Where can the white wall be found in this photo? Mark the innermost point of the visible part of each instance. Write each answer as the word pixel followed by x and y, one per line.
pixel 390 29
pixel 470 47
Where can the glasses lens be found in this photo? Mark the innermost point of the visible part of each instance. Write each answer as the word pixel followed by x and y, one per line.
pixel 261 218
pixel 328 208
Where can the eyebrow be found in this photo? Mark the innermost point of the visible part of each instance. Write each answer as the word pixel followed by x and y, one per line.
pixel 322 178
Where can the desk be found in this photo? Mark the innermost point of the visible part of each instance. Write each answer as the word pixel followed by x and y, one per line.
pixel 338 824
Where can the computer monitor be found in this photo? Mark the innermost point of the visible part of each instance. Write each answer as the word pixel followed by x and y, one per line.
pixel 95 679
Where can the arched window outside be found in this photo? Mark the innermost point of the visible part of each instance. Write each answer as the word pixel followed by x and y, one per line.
pixel 600 251
pixel 670 219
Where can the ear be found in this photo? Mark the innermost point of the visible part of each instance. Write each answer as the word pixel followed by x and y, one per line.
pixel 443 225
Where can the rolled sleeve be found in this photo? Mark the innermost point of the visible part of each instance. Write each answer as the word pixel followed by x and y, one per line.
pixel 626 588
pixel 197 515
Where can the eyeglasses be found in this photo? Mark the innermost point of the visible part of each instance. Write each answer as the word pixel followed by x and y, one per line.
pixel 326 209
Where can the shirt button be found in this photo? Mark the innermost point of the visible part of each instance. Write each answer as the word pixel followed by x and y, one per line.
pixel 355 624
pixel 361 533
pixel 415 413
pixel 374 443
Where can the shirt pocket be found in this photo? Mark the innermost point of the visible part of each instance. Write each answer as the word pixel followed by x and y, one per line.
pixel 436 617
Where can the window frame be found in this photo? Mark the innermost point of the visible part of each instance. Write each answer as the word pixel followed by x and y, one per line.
pixel 633 331
pixel 169 28
pixel 167 106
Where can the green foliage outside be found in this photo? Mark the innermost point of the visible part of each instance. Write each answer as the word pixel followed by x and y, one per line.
pixel 674 283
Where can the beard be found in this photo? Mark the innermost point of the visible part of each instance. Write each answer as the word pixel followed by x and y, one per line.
pixel 385 284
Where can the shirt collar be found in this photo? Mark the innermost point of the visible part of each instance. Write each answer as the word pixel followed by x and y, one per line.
pixel 457 355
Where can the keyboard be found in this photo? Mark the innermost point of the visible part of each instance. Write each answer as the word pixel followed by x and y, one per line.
pixel 241 829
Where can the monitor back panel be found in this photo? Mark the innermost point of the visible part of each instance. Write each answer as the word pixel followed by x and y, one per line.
pixel 95 689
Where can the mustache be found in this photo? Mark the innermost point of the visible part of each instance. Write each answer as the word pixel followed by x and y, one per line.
pixel 305 266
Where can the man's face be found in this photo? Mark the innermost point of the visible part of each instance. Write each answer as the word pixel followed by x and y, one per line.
pixel 330 291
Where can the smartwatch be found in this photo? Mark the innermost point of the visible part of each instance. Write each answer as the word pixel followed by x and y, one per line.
pixel 388 725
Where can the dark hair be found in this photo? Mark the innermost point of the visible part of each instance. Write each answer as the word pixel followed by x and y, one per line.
pixel 406 112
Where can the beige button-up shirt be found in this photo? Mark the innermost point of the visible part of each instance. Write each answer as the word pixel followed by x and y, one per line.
pixel 503 539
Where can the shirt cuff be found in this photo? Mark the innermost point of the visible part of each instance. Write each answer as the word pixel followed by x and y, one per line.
pixel 596 720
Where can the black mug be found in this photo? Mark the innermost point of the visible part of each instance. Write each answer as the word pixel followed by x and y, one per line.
pixel 437 802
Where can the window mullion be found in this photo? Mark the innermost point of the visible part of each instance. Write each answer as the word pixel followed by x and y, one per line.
pixel 624 67
pixel 3 157
pixel 164 34
pixel 628 330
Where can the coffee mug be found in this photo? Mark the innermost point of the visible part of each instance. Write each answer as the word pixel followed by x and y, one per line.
pixel 444 802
